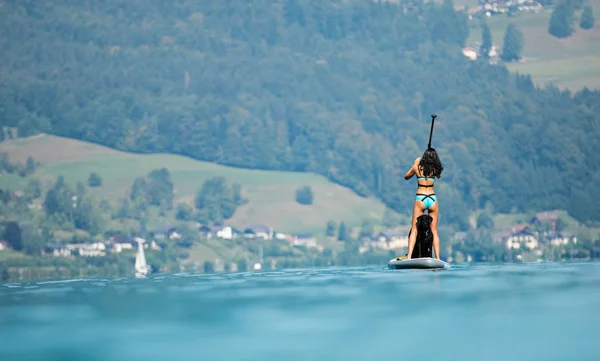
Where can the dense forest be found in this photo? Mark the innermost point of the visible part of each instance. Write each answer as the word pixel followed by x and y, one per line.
pixel 340 88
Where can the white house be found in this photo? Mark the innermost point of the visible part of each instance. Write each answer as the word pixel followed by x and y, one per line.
pixel 166 231
pixel 305 239
pixel 392 239
pixel 389 239
pixel 87 249
pixel 259 231
pixel 223 232
pixel 281 236
pixel 518 236
pixel 118 243
pixel 56 250
pixel 560 238
pixel 470 53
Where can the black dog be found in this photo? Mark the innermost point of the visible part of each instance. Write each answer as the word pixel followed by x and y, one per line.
pixel 424 240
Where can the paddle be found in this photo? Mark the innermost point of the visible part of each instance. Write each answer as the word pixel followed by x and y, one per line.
pixel 433 116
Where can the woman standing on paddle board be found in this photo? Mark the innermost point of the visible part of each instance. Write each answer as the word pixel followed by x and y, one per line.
pixel 426 168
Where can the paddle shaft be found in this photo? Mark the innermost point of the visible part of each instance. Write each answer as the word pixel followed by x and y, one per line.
pixel 433 116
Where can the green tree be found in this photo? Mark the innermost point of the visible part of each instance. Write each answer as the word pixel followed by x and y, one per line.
pixel 94 180
pixel 5 196
pixel 59 200
pixel 366 229
pixel 184 212
pixel 32 240
pixel 33 190
pixel 330 229
pixel 486 40
pixel 201 216
pixel 85 214
pixel 242 265
pixel 560 225
pixel 5 163
pixel 4 274
pixel 124 210
pixel 485 221
pixel 587 17
pixel 561 20
pixel 217 199
pixel 30 165
pixel 351 245
pixel 576 4
pixel 12 235
pixel 238 199
pixel 342 236
pixel 138 190
pixel 209 267
pixel 160 188
pixel 449 25
pixel 304 195
pixel 513 43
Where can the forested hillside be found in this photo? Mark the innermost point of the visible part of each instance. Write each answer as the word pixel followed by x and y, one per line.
pixel 340 88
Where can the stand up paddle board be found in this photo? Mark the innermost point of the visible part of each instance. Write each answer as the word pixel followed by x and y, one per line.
pixel 417 263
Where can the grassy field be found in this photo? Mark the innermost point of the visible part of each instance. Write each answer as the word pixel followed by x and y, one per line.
pixel 571 63
pixel 271 194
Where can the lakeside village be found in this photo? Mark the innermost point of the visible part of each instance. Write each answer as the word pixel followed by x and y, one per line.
pixel 528 237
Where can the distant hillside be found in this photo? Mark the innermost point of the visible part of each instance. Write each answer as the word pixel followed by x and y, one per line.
pixel 568 62
pixel 270 193
pixel 343 89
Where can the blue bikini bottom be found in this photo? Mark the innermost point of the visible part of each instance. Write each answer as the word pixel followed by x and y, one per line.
pixel 427 199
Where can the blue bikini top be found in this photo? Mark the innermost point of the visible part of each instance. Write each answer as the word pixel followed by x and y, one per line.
pixel 425 185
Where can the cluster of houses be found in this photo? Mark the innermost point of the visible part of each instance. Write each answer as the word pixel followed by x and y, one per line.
pixel 258 231
pixel 387 239
pixel 525 235
pixel 490 8
pixel 118 243
pixel 541 229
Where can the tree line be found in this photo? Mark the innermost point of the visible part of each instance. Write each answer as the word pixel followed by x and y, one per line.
pixel 10 167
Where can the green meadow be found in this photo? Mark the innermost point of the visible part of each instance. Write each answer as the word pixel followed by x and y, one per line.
pixel 270 194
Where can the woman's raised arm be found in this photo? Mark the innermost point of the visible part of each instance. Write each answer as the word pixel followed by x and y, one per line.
pixel 411 172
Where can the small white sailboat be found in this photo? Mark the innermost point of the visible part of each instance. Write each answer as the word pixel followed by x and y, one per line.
pixel 141 268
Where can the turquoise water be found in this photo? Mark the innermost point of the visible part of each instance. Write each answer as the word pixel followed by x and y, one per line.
pixel 478 312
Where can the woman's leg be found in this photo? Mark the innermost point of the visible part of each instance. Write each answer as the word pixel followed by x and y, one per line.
pixel 434 212
pixel 418 210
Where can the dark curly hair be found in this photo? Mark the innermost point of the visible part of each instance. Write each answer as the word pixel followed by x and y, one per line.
pixel 430 165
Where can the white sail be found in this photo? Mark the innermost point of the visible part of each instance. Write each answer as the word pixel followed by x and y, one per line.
pixel 141 268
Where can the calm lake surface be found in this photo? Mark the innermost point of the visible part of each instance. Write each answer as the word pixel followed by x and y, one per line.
pixel 542 311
